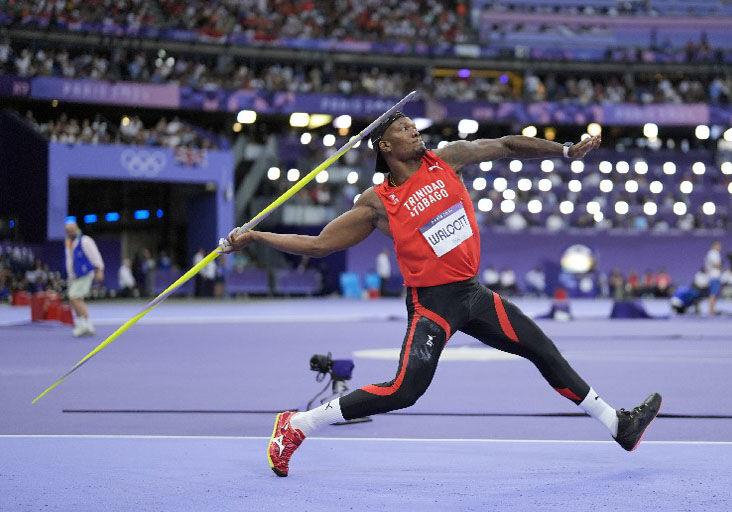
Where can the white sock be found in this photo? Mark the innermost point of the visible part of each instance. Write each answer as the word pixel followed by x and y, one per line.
pixel 309 421
pixel 601 411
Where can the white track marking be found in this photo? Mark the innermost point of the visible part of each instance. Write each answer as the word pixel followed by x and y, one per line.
pixel 349 439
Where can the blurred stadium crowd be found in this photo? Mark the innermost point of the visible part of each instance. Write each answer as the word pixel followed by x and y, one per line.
pixel 206 72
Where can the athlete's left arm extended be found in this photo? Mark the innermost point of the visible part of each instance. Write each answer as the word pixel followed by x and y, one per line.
pixel 462 152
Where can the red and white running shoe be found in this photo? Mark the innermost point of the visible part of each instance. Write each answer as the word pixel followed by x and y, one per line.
pixel 283 443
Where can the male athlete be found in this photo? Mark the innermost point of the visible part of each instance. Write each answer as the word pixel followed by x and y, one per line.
pixel 425 208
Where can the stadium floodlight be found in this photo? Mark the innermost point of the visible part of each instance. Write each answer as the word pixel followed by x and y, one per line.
pixel 621 207
pixel 500 184
pixel 299 119
pixel 352 177
pixel 592 207
pixel 440 144
pixel 486 166
pixel 545 184
pixel 534 206
pixel 622 167
pixel 566 207
pixel 485 204
pixel 515 165
pixel 377 179
pixel 479 184
pixel 594 129
pixel 355 198
pixel 729 188
pixel 246 116
pixel 709 208
pixel 112 216
pixel 680 208
pixel 585 136
pixel 698 168
pixel 468 126
pixel 322 176
pixel 702 132
pixel 650 208
pixel 574 185
pixel 606 186
pixel 236 127
pixel 728 135
pixel 509 194
pixel 640 167
pixel 669 168
pixel 656 187
pixel 547 165
pixel 650 130
pixel 577 166
pixel 141 214
pixel 605 167
pixel 686 187
pixel 318 120
pixel 726 168
pixel 529 131
pixel 524 184
pixel 90 218
pixel 273 173
pixel 598 216
pixel 422 123
pixel 631 186
pixel 329 140
pixel 342 122
pixel 507 206
pixel 293 175
pixel 305 138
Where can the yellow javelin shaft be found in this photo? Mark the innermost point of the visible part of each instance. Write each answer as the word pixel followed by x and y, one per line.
pixel 132 321
pixel 215 253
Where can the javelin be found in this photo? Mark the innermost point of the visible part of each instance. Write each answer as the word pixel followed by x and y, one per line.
pixel 216 252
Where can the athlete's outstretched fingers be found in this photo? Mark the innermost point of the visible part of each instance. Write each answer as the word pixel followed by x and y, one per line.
pixel 583 147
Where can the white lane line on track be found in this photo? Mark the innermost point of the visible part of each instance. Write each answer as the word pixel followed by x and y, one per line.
pixel 360 439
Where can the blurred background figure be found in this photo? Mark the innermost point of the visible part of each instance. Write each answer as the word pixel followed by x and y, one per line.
pixel 125 280
pixel 507 282
pixel 383 269
pixel 536 282
pixel 491 278
pixel 713 270
pixel 84 264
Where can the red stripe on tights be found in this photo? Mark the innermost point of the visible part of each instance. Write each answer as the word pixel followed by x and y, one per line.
pixel 388 390
pixel 506 326
pixel 568 393
pixel 423 311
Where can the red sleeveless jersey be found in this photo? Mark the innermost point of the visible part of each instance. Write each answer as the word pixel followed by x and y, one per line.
pixel 432 222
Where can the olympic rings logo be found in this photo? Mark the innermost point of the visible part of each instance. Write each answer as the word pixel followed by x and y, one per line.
pixel 143 162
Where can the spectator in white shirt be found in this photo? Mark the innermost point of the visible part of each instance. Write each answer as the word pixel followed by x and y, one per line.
pixel 713 269
pixel 126 279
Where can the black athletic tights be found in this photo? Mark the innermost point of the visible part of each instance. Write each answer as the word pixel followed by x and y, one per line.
pixel 434 314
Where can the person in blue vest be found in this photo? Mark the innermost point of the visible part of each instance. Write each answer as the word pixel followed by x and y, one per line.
pixel 84 264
